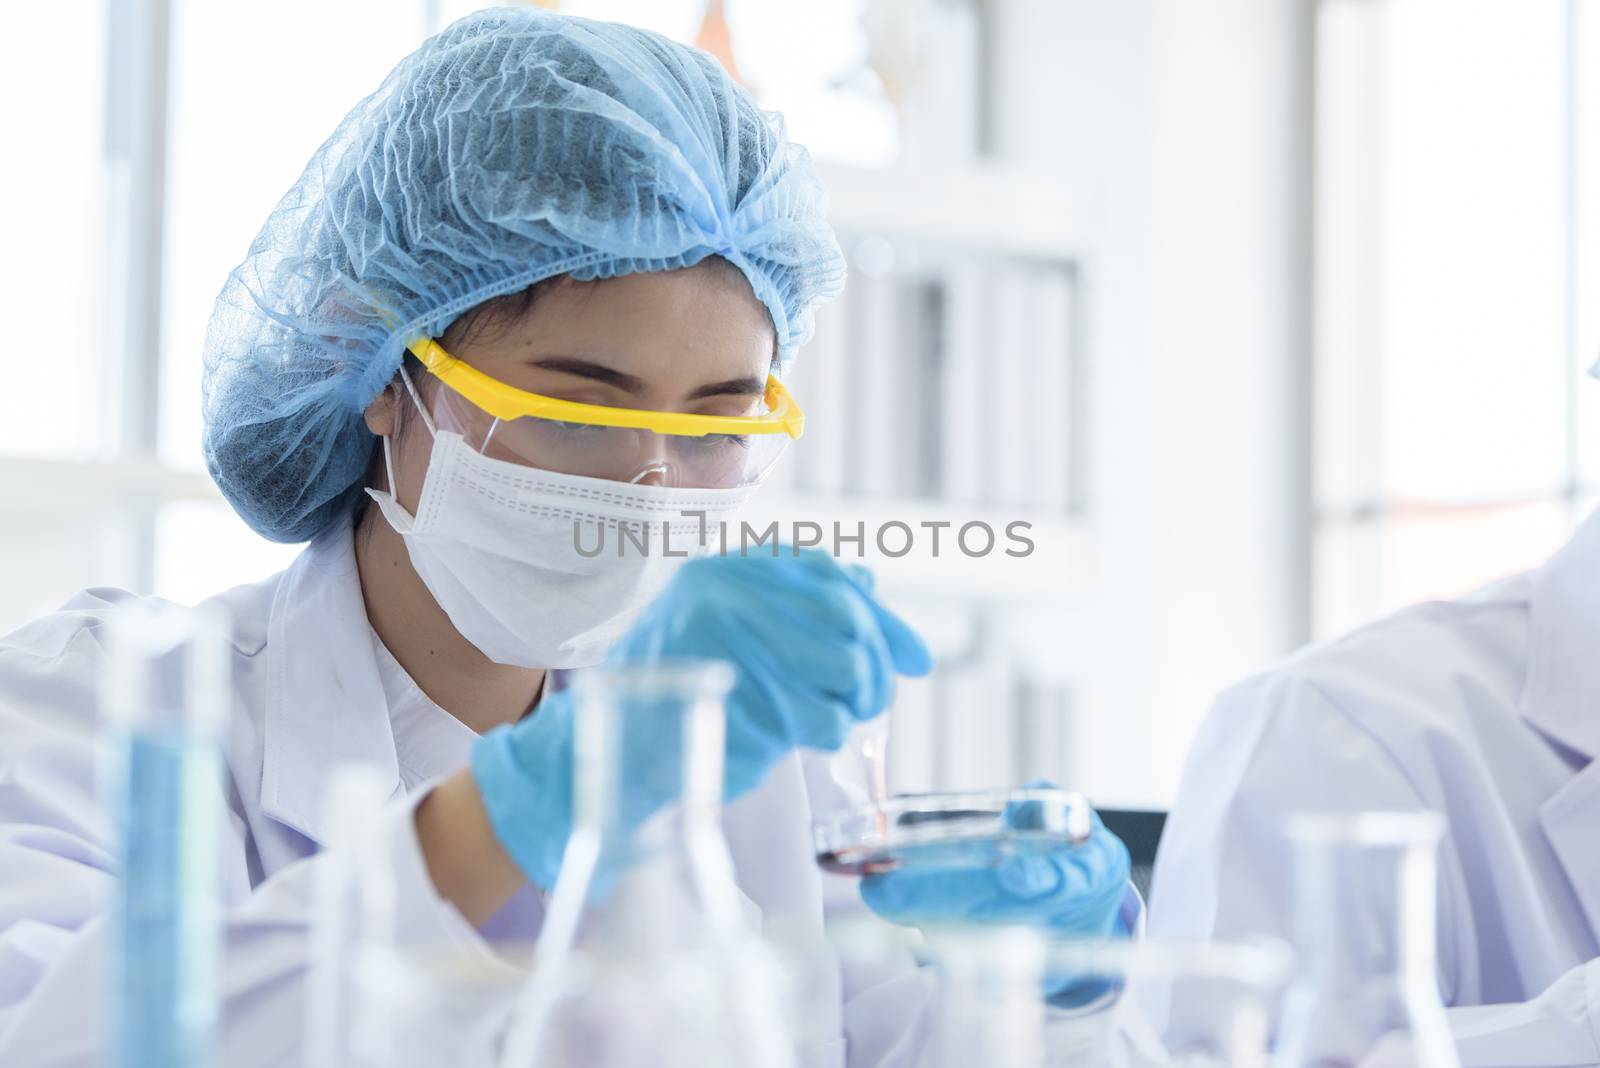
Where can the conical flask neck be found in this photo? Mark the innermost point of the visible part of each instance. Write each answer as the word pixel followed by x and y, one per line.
pixel 649 763
pixel 647 863
pixel 672 896
pixel 1365 913
pixel 1367 989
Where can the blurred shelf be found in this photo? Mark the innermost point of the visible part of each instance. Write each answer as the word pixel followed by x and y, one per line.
pixel 53 486
pixel 989 208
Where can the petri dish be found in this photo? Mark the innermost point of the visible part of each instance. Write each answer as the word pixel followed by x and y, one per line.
pixel 951 830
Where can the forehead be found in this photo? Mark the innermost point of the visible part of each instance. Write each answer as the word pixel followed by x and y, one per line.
pixel 690 325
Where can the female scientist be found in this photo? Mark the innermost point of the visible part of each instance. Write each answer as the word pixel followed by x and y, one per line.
pixel 546 275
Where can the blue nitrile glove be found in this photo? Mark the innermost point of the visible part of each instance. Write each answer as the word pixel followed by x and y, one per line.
pixel 813 652
pixel 524 776
pixel 1076 893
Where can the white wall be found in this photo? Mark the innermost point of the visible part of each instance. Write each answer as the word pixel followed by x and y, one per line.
pixel 1179 126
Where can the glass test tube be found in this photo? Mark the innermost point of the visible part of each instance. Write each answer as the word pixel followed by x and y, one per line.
pixel 166 697
pixel 347 1024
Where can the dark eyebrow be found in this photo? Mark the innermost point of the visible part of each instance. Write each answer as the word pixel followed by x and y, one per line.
pixel 599 372
pixel 596 372
pixel 747 385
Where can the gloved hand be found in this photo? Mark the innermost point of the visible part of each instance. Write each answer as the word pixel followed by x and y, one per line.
pixel 813 650
pixel 813 654
pixel 524 776
pixel 1074 893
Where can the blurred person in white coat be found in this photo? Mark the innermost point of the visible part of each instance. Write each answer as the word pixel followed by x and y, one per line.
pixel 1485 709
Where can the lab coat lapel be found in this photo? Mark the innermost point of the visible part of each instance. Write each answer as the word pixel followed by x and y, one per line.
pixel 325 703
pixel 1562 694
pixel 1571 822
pixel 1561 698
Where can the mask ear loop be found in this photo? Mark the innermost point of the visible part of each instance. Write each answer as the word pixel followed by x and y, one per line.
pixel 427 421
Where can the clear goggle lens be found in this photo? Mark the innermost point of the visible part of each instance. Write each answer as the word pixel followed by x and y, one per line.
pixel 620 454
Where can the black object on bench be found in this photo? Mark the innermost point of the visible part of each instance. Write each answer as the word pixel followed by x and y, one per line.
pixel 1140 830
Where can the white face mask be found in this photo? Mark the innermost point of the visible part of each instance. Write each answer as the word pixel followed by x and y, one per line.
pixel 498 545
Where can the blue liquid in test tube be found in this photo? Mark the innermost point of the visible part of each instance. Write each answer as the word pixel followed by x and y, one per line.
pixel 165 698
pixel 165 981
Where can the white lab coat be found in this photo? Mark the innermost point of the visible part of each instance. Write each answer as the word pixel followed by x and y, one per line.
pixel 308 697
pixel 1485 709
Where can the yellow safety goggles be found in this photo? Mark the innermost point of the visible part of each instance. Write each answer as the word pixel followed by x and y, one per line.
pixel 596 440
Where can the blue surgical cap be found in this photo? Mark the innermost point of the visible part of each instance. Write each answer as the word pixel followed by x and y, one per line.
pixel 513 146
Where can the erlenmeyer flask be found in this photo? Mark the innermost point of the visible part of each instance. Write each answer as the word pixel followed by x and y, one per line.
pixel 1365 991
pixel 990 1010
pixel 645 956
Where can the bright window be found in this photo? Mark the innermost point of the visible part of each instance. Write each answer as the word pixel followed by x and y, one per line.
pixel 1456 436
pixel 56 186
pixel 807 60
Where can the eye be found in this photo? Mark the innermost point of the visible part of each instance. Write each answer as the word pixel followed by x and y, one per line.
pixel 574 428
pixel 711 445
